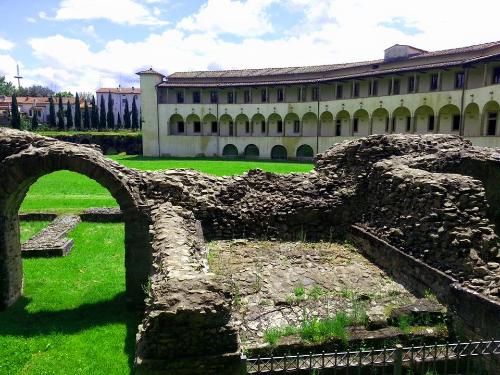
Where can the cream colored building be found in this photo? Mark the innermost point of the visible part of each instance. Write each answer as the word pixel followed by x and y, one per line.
pixel 300 111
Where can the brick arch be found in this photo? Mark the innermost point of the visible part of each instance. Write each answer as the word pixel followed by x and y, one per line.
pixel 21 169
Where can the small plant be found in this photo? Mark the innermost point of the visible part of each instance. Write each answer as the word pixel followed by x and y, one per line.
pixel 316 292
pixel 272 336
pixel 359 316
pixel 430 295
pixel 404 323
pixel 319 330
pixel 148 287
pixel 299 292
pixel 349 294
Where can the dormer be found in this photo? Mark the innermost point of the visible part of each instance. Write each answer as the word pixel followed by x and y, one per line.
pixel 401 52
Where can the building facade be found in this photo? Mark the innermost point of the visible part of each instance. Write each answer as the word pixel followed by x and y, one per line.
pixel 29 105
pixel 297 112
pixel 120 96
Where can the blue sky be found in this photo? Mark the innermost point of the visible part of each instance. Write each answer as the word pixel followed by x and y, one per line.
pixel 80 45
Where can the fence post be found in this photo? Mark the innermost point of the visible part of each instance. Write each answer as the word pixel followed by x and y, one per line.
pixel 398 360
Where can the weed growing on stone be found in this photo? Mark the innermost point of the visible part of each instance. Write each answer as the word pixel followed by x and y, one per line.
pixel 316 292
pixel 319 330
pixel 299 292
pixel 405 322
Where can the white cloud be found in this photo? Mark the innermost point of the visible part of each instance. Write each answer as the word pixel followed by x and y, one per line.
pixel 90 31
pixel 241 18
pixel 5 44
pixel 128 12
pixel 30 20
pixel 43 15
pixel 7 67
pixel 342 31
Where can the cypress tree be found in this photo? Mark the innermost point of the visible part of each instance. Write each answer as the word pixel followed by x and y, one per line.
pixel 135 116
pixel 126 117
pixel 119 121
pixel 69 116
pixel 86 116
pixel 15 119
pixel 34 121
pixel 60 114
pixel 110 117
pixel 52 113
pixel 102 115
pixel 78 114
pixel 94 115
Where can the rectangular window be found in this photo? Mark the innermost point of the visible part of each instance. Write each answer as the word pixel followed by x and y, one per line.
pixel 279 126
pixel 339 94
pixel 263 95
pixel 387 124
pixel 214 97
pixel 246 96
pixel 375 88
pixel 180 96
pixel 355 90
pixel 279 95
pixel 299 94
pixel 247 127
pixel 459 80
pixel 262 126
pixel 230 97
pixel 492 124
pixel 315 93
pixel 214 127
pixel 408 124
pixel 355 125
pixel 496 75
pixel 197 127
pixel 180 127
pixel 430 126
pixel 411 84
pixel 296 126
pixel 304 94
pixel 389 88
pixel 393 128
pixel 231 129
pixel 397 87
pixel 124 102
pixel 434 82
pixel 196 97
pixel 456 123
pixel 338 128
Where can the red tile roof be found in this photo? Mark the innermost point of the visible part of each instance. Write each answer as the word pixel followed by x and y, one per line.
pixel 119 90
pixel 321 73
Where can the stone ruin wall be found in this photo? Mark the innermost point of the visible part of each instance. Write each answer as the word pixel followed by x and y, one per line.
pixel 397 187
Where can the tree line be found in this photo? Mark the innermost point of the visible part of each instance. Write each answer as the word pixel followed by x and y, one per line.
pixel 92 118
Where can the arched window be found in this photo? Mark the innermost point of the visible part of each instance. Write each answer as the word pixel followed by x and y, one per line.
pixel 251 151
pixel 305 152
pixel 279 152
pixel 230 150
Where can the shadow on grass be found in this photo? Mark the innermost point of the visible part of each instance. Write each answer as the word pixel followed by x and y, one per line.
pixel 17 321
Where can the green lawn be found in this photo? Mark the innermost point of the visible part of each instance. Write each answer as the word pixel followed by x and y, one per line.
pixel 73 318
pixel 71 192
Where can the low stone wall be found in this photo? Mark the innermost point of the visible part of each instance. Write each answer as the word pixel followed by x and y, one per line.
pixel 51 241
pixel 186 327
pixel 102 215
pixel 480 315
pixel 109 144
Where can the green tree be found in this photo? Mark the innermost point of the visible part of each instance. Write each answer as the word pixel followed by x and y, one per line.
pixel 119 121
pixel 60 114
pixel 65 94
pixel 126 117
pixel 135 116
pixel 15 119
pixel 34 120
pixel 78 115
pixel 6 88
pixel 86 116
pixel 52 113
pixel 94 115
pixel 110 117
pixel 102 115
pixel 69 116
pixel 35 90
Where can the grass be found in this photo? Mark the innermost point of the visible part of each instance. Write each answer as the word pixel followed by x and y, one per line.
pixel 73 318
pixel 68 192
pixel 30 228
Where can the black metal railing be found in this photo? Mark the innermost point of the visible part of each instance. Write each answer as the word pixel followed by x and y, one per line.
pixel 457 359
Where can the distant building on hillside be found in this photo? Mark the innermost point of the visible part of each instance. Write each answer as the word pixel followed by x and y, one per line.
pixel 300 111
pixel 30 104
pixel 120 95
